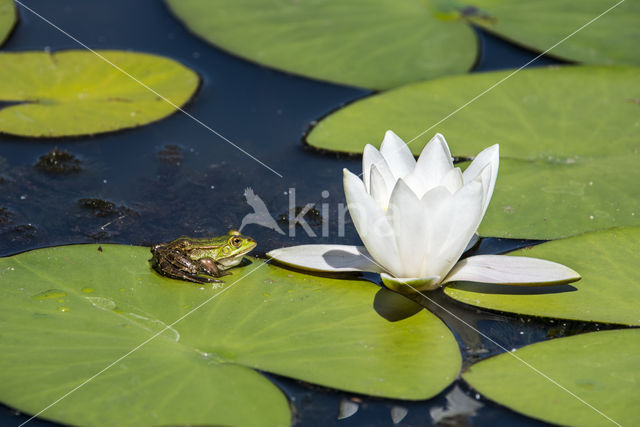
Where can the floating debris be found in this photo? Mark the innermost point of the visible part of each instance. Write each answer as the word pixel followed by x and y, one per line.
pixel 311 215
pixel 58 162
pixel 24 232
pixel 104 208
pixel 6 216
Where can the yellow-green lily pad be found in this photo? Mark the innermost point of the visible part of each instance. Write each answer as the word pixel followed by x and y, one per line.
pixel 375 44
pixel 554 113
pixel 609 39
pixel 68 312
pixel 596 379
pixel 8 18
pixel 608 292
pixel 74 92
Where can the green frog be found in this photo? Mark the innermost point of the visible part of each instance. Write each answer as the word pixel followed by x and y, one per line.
pixel 201 260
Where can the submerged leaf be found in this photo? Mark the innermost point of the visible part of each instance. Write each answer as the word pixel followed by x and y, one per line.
pixel 90 95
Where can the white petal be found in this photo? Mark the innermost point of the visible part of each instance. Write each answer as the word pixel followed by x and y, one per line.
pixel 397 154
pixel 434 162
pixel 371 223
pixel 453 180
pixel 371 156
pixel 416 184
pixel 458 222
pixel 511 270
pixel 330 258
pixel 408 285
pixel 409 219
pixel 437 204
pixel 444 144
pixel 488 156
pixel 378 188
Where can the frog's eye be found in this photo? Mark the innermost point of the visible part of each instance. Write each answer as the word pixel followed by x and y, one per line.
pixel 236 241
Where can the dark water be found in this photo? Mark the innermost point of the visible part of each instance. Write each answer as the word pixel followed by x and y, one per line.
pixel 175 177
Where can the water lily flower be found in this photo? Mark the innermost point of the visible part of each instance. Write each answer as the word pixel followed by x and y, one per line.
pixel 416 219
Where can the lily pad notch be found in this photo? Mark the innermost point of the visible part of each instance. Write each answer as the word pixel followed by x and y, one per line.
pixel 378 44
pixel 92 95
pixel 544 158
pixel 381 44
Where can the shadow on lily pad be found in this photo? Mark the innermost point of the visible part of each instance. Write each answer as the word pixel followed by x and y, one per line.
pixel 393 306
pixel 491 288
pixel 344 275
pixel 338 258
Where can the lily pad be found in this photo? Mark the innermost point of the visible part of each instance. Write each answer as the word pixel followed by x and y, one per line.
pixel 89 95
pixel 540 24
pixel 547 200
pixel 375 44
pixel 568 139
pixel 8 18
pixel 555 113
pixel 601 368
pixel 69 312
pixel 608 292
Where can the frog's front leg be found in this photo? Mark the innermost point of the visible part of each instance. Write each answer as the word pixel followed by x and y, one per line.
pixel 210 266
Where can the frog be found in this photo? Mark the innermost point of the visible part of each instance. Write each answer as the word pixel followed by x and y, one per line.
pixel 201 260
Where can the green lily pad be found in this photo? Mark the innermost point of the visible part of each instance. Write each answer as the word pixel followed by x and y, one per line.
pixel 548 200
pixel 601 368
pixel 555 113
pixel 541 24
pixel 375 44
pixel 68 312
pixel 89 95
pixel 8 18
pixel 608 292
pixel 566 134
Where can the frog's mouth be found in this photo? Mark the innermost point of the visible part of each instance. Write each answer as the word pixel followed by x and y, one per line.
pixel 232 261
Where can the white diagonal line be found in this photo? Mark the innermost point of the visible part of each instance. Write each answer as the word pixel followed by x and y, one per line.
pixel 536 370
pixel 142 344
pixel 515 72
pixel 168 101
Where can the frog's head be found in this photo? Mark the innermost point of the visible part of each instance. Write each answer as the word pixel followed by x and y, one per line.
pixel 236 246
